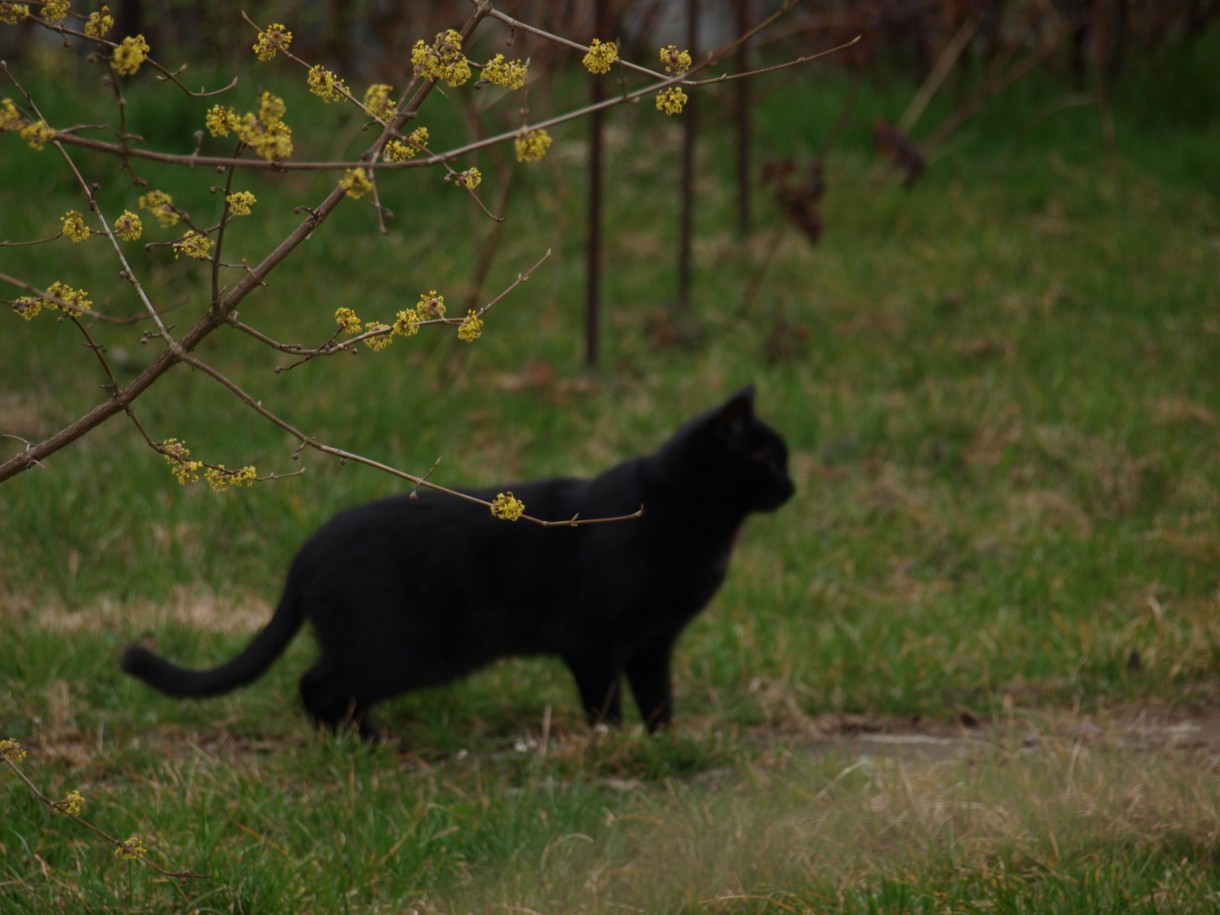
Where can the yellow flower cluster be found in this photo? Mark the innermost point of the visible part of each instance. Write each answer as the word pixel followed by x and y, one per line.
pixel 220 121
pixel 676 62
pixel 406 324
pixel 220 479
pixel 128 226
pixel 355 183
pixel 37 134
pixel 400 151
pixel 178 456
pixel 12 13
pixel 265 131
pixel 70 806
pixel 193 244
pixel 130 850
pixel 469 179
pixel 240 202
pixel 10 117
pixel 161 205
pixel 383 335
pixel 348 320
pixel 74 226
pixel 324 84
pixel 671 100
pixel 471 327
pixel 99 24
pixel 55 10
pixel 507 507
pixel 378 102
pixel 275 37
pixel 532 145
pixel 128 56
pixel 11 750
pixel 510 74
pixel 58 297
pixel 27 307
pixel 600 56
pixel 442 60
pixel 64 297
pixel 430 305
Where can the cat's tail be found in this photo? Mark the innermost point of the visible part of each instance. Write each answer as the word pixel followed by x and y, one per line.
pixel 248 666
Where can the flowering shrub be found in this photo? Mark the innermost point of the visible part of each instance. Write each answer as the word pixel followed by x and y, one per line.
pixel 263 136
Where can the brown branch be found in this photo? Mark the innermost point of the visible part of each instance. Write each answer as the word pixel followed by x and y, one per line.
pixel 58 807
pixel 307 441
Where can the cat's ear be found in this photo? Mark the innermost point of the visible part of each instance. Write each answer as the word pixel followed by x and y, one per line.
pixel 734 418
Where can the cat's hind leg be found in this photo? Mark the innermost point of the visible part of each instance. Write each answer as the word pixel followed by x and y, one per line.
pixel 597 679
pixel 648 672
pixel 329 698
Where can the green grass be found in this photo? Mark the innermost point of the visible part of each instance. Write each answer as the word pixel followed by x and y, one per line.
pixel 1001 394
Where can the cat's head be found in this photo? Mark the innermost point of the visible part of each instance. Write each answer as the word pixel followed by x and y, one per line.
pixel 736 457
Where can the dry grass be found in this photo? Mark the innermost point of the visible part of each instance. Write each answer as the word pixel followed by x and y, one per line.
pixel 842 817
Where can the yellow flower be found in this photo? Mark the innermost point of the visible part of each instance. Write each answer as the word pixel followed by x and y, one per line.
pixel 275 37
pixel 442 60
pixel 469 179
pixel 220 479
pixel 28 307
pixel 325 84
pixel 74 226
pixel 470 328
pixel 240 202
pixel 193 244
pixel 356 183
pixel 406 324
pixel 384 335
pixel 178 456
pixel 11 750
pixel 130 850
pixel 532 145
pixel 37 134
pixel 10 117
pixel 99 23
pixel 348 320
pixel 430 305
pixel 128 226
pixel 510 74
pixel 161 205
pixel 63 297
pixel 676 62
pixel 221 121
pixel 507 507
pixel 72 805
pixel 265 132
pixel 55 10
pixel 398 151
pixel 600 56
pixel 128 56
pixel 671 100
pixel 377 100
pixel 12 13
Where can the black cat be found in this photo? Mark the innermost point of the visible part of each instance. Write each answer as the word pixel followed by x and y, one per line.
pixel 411 592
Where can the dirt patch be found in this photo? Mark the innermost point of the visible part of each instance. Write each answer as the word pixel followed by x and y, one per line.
pixel 1126 729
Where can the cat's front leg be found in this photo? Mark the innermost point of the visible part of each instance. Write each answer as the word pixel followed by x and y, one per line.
pixel 651 684
pixel 598 678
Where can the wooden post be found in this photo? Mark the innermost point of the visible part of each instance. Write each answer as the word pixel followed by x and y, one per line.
pixel 745 21
pixel 593 272
pixel 686 228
